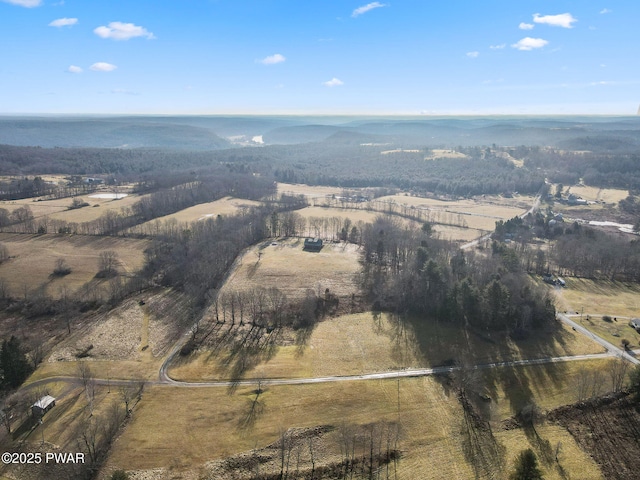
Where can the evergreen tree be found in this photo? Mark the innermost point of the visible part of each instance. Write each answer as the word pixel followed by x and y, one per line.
pixel 527 467
pixel 13 363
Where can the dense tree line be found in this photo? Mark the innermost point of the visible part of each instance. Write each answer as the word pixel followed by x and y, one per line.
pixel 322 163
pixel 14 366
pixel 24 188
pixel 601 169
pixel 196 260
pixel 160 203
pixel 406 270
pixel 586 252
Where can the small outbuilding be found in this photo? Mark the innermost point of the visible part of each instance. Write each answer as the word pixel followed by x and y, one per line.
pixel 312 244
pixel 42 406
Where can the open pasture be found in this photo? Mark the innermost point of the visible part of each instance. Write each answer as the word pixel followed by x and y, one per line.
pixel 433 437
pixel 58 209
pixel 596 194
pixel 369 343
pixel 202 211
pixel 457 234
pixel 33 257
pixel 463 206
pixel 599 297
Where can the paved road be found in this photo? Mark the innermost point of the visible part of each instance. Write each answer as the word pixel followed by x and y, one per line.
pixel 477 241
pixel 402 373
pixel 611 348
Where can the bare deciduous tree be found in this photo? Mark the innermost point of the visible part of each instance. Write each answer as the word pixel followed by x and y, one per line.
pixel 107 263
pixel 618 370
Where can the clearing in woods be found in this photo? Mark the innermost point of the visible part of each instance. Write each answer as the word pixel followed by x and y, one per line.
pixel 285 265
pixel 37 255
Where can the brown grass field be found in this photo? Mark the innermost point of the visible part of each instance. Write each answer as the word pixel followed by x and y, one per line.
pixel 433 436
pixel 33 259
pixel 367 343
pixel 129 341
pixel 294 271
pixel 355 215
pixel 224 206
pixel 596 298
pixel 478 213
pixel 448 232
pixel 58 209
pixel 599 297
pixel 606 195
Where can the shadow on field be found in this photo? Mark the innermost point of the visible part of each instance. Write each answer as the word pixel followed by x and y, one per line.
pixel 477 389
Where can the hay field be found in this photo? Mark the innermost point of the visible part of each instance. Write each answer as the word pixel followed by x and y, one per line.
pixel 599 297
pixel 215 423
pixel 354 214
pixel 57 209
pixel 39 209
pixel 595 298
pixel 97 207
pixel 606 195
pixel 369 343
pixel 33 259
pixel 447 232
pixel 464 206
pixel 294 271
pixel 202 211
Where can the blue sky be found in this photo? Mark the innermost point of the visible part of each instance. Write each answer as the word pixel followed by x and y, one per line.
pixel 319 57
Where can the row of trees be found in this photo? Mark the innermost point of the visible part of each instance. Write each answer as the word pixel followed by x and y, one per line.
pixel 163 202
pixel 196 260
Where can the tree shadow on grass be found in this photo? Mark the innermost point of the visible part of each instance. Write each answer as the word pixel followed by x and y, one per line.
pixel 487 353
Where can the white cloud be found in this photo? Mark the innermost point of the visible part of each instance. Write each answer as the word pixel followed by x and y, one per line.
pixel 526 26
pixel 529 43
pixel 334 82
pixel 63 22
pixel 25 3
pixel 473 54
pixel 103 67
pixel 273 59
pixel 74 69
pixel 498 47
pixel 564 20
pixel 604 11
pixel 366 8
pixel 123 31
